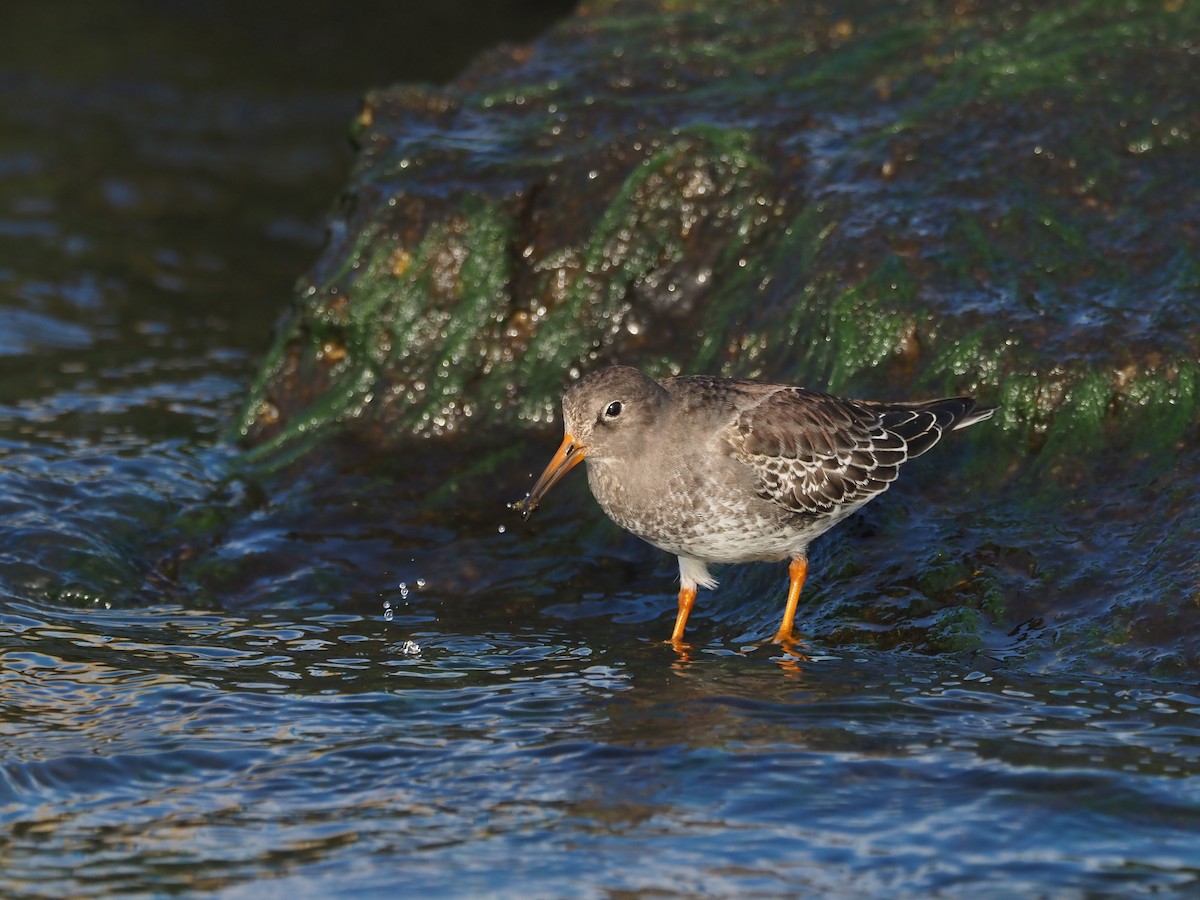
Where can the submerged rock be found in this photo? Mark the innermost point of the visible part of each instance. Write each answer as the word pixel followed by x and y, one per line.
pixel 894 201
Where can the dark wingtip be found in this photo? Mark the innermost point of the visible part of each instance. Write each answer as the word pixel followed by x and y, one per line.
pixel 974 414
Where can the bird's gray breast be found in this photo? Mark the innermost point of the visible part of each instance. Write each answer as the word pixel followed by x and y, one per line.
pixel 703 507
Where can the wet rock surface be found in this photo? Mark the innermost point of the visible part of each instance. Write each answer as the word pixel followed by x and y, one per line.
pixel 891 201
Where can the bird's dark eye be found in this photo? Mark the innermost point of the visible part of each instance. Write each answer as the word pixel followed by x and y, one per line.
pixel 613 410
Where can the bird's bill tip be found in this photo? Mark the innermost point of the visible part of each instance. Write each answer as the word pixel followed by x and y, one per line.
pixel 568 456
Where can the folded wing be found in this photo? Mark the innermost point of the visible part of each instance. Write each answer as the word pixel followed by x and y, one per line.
pixel 813 453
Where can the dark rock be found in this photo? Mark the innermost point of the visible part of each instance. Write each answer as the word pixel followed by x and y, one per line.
pixel 895 201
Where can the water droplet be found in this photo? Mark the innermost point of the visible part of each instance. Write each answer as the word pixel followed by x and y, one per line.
pixel 502 529
pixel 420 583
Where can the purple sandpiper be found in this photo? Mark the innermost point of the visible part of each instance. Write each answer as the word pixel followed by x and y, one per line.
pixel 720 470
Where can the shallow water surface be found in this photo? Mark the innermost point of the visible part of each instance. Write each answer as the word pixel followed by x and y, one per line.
pixel 336 753
pixel 359 675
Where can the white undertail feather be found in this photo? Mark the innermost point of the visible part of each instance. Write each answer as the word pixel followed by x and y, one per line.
pixel 694 573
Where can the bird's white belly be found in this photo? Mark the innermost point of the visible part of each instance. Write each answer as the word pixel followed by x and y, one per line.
pixel 727 538
pixel 706 525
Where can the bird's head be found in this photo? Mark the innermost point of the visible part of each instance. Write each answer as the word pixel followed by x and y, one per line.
pixel 607 416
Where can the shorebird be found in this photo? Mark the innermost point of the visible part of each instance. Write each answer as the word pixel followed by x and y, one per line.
pixel 721 470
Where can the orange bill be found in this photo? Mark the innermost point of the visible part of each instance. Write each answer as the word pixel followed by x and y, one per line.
pixel 569 455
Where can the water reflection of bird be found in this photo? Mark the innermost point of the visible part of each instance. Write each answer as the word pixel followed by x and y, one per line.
pixel 718 470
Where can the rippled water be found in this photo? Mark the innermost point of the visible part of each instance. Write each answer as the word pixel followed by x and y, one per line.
pixel 336 753
pixel 356 675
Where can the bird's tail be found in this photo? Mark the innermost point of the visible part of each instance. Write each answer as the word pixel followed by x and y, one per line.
pixel 921 424
pixel 972 414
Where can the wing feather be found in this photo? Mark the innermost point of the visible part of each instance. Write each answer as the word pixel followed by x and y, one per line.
pixel 813 453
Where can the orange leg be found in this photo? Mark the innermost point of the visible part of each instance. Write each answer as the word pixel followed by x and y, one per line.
pixel 797 569
pixel 687 599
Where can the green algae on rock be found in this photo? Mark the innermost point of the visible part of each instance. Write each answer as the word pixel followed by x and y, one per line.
pixel 621 189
